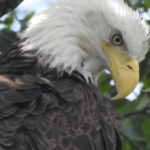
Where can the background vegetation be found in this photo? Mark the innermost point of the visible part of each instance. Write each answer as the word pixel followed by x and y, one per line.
pixel 133 117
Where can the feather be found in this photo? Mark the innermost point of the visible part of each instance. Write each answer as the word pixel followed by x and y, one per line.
pixel 46 111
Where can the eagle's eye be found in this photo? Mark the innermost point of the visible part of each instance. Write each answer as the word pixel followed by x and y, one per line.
pixel 117 40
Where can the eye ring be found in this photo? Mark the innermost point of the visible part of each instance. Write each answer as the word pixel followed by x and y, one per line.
pixel 117 40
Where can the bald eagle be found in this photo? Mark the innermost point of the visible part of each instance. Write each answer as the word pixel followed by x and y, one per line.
pixel 48 82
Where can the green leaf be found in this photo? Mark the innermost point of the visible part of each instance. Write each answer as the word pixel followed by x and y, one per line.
pixel 147 3
pixel 23 22
pixel 126 146
pixel 8 21
pixel 28 17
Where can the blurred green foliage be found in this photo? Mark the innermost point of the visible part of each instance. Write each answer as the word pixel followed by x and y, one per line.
pixel 133 117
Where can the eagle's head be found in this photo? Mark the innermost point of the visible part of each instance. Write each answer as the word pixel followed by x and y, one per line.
pixel 89 36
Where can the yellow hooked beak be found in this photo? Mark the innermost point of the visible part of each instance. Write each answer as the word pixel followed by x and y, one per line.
pixel 125 72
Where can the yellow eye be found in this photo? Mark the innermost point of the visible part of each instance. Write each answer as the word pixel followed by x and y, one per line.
pixel 117 40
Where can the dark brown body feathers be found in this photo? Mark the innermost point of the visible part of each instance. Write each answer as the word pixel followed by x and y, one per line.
pixel 41 110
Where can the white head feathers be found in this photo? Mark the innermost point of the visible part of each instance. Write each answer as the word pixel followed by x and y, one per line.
pixel 68 35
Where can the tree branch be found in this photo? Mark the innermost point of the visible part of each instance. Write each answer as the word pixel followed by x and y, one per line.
pixel 144 111
pixel 8 5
